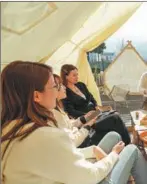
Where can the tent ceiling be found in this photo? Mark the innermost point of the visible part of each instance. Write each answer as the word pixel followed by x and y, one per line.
pixel 39 28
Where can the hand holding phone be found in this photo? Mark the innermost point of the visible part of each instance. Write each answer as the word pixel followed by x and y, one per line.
pixel 91 122
pixel 94 114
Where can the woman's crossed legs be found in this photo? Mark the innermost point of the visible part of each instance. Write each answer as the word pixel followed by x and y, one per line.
pixel 130 161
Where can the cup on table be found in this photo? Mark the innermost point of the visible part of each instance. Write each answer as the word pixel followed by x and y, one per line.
pixel 137 115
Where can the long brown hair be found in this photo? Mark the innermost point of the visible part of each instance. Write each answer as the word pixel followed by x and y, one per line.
pixel 65 70
pixel 19 80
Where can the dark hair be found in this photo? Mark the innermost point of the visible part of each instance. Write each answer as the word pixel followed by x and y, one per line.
pixel 65 70
pixel 57 77
pixel 19 80
pixel 58 81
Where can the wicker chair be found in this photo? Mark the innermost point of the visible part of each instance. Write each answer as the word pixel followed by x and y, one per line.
pixel 118 94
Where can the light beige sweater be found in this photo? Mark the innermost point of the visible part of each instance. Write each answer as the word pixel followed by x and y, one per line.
pixel 71 126
pixel 47 156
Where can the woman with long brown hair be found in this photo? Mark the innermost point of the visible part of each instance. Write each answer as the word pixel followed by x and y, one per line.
pixel 27 100
pixel 80 101
pixel 79 129
pixel 35 151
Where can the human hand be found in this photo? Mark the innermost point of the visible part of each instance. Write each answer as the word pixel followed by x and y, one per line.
pixel 109 108
pixel 99 153
pixel 91 122
pixel 98 107
pixel 88 114
pixel 118 147
pixel 104 108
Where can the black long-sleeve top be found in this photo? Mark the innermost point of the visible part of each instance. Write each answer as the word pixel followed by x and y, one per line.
pixel 76 105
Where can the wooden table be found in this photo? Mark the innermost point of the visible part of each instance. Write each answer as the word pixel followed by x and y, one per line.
pixel 137 129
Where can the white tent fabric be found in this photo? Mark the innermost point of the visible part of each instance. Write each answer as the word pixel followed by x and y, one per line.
pixel 29 37
pixel 60 32
pixel 126 68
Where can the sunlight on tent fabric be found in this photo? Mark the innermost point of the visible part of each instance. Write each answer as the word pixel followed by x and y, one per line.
pixel 62 52
pixel 71 59
pixel 135 28
pixel 105 15
pixel 110 22
pixel 90 25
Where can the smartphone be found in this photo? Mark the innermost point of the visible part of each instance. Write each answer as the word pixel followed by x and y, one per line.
pixel 93 115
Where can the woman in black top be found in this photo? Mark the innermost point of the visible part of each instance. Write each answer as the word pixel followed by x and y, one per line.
pixel 79 101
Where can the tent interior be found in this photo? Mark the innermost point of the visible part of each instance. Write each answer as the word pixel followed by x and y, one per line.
pixel 56 33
